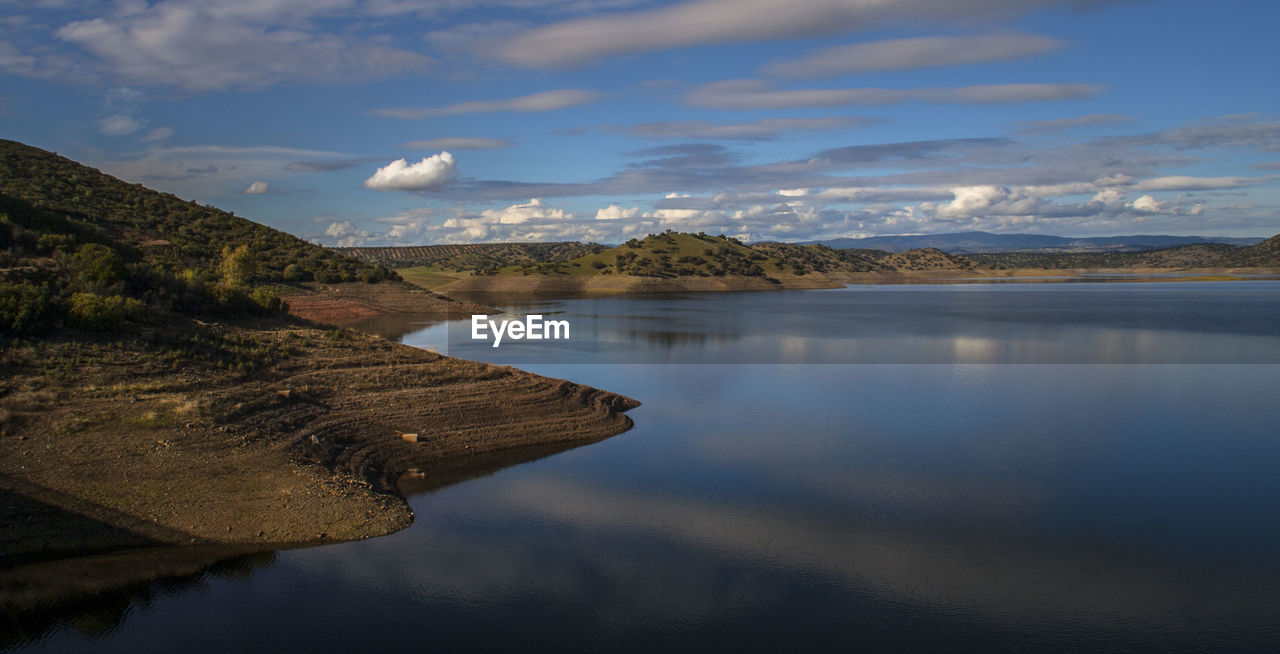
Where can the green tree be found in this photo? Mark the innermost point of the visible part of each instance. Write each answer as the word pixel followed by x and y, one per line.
pixel 238 267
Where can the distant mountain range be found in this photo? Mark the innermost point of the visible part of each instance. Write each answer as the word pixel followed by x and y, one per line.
pixel 985 242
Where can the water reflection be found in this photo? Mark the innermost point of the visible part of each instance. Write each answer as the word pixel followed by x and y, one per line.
pixel 930 506
pixel 91 596
pixel 1170 322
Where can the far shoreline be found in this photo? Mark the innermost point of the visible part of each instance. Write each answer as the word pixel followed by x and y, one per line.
pixel 542 285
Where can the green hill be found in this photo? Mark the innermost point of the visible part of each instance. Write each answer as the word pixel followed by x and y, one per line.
pixel 675 254
pixel 473 256
pixel 1264 254
pixel 84 249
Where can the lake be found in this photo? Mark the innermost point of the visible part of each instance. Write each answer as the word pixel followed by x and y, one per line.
pixel 970 467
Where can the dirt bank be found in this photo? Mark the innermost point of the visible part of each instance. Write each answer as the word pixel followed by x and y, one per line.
pixel 294 436
pixel 349 303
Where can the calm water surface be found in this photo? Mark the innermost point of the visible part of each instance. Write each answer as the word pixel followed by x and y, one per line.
pixel 974 475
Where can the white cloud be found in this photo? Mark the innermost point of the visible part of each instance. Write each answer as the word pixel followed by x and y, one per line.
pixel 343 234
pixel 1184 183
pixel 523 213
pixel 532 221
pixel 119 125
pixel 756 94
pixel 905 54
pixel 577 42
pixel 1147 204
pixel 457 143
pixel 544 101
pixel 615 212
pixel 257 188
pixel 430 174
pixel 215 46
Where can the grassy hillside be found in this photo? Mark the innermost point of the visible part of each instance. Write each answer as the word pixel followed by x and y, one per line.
pixel 84 249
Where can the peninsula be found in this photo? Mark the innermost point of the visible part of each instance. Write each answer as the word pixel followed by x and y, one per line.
pixel 176 375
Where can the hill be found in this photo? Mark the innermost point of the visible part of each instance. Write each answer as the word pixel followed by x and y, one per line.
pixel 986 242
pixel 675 261
pixel 153 392
pixel 1264 254
pixel 474 256
pixel 1200 255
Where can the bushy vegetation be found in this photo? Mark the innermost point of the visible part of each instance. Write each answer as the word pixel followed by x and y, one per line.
pixel 84 250
pixel 1198 255
pixel 482 258
pixel 102 312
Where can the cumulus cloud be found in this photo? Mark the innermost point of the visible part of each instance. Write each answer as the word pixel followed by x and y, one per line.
pixel 119 125
pixel 544 101
pixel 906 54
pixel 577 42
pixel 763 129
pixel 615 212
pixel 257 188
pixel 217 46
pixel 432 173
pixel 457 143
pixel 531 221
pixel 756 94
pixel 344 234
pixel 523 213
pixel 1147 204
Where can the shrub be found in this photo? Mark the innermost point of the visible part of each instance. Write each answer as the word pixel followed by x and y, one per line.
pixel 238 267
pixel 295 273
pixel 265 301
pixel 26 308
pixel 102 312
pixel 98 264
pixel 50 243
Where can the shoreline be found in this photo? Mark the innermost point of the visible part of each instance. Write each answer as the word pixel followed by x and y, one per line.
pixel 122 448
pixel 539 284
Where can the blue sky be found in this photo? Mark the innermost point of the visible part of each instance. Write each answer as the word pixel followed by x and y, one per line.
pixel 402 122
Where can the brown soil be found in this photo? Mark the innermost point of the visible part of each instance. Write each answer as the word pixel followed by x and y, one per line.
pixel 345 304
pixel 112 445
